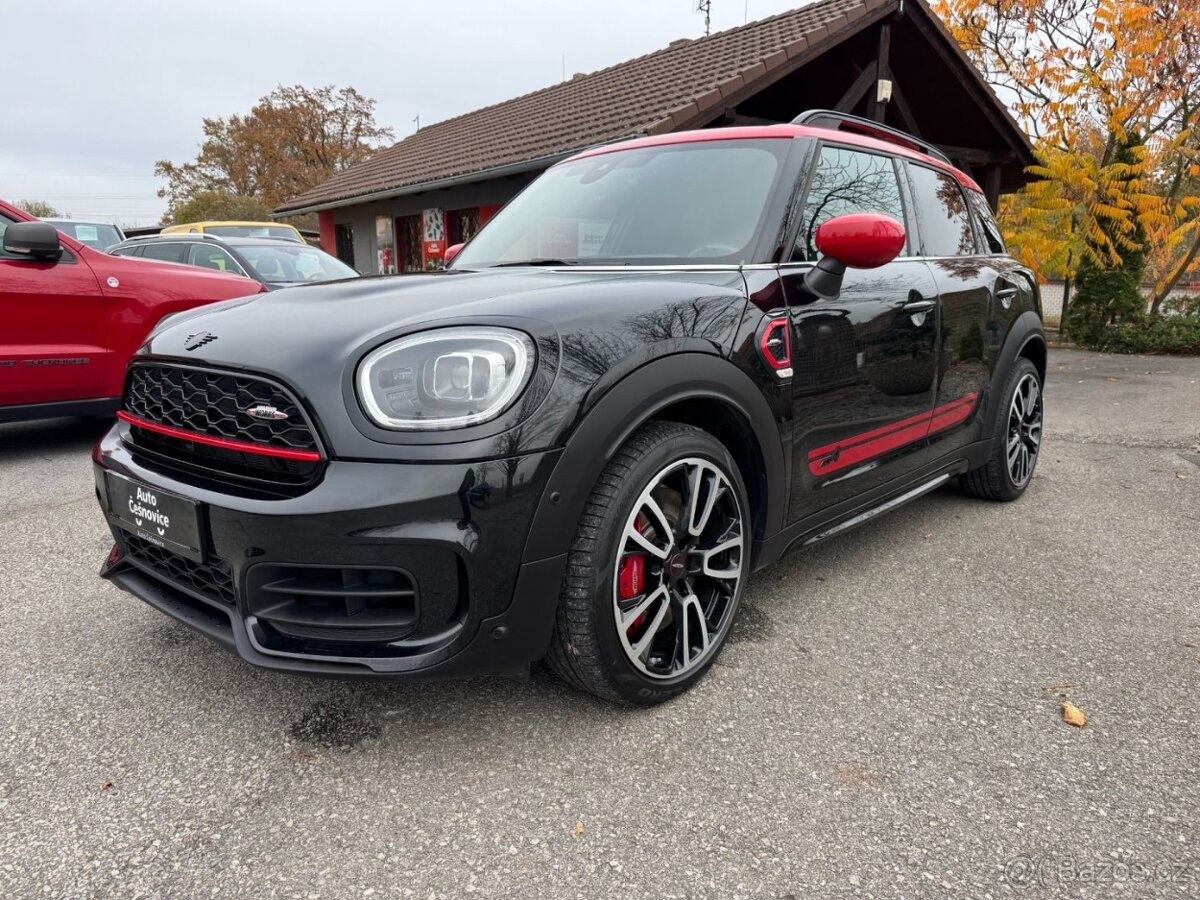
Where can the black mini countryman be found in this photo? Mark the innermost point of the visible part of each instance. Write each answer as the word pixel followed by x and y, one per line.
pixel 663 365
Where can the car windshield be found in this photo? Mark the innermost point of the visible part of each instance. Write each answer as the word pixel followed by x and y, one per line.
pixel 703 202
pixel 292 263
pixel 96 235
pixel 280 232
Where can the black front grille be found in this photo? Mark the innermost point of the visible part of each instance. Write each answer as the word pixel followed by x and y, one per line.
pixel 213 580
pixel 214 404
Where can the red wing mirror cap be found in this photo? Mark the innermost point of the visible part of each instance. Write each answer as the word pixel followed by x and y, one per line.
pixel 861 240
pixel 451 252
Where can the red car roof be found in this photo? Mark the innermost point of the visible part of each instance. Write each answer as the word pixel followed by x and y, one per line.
pixel 757 132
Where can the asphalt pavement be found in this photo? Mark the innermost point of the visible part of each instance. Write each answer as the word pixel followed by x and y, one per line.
pixel 884 723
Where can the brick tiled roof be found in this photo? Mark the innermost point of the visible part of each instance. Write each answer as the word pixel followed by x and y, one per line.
pixel 662 91
pixel 684 85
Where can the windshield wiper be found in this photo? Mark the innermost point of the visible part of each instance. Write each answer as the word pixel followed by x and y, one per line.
pixel 533 262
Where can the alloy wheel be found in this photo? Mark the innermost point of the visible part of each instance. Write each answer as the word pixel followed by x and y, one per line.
pixel 679 566
pixel 1024 430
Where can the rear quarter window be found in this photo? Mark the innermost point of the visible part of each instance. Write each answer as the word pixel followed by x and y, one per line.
pixel 992 238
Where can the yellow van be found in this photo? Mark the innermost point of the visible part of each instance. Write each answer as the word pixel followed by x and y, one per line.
pixel 275 230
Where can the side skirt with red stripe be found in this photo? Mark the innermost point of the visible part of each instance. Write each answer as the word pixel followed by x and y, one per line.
pixel 860 448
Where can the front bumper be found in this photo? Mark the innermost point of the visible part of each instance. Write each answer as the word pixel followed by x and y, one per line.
pixel 455 531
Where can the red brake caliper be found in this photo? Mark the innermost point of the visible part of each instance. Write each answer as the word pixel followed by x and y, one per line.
pixel 631 577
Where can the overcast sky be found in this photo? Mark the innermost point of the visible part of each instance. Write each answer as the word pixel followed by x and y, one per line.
pixel 94 92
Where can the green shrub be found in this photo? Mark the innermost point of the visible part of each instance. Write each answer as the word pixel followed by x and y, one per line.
pixel 1182 305
pixel 1150 334
pixel 1104 298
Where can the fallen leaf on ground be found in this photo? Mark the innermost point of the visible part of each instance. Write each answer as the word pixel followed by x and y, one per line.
pixel 928 536
pixel 578 832
pixel 105 785
pixel 858 775
pixel 1073 715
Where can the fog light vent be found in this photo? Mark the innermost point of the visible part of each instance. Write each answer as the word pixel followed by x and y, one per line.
pixel 376 605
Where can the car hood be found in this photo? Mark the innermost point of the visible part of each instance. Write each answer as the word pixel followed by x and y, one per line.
pixel 336 318
pixel 312 337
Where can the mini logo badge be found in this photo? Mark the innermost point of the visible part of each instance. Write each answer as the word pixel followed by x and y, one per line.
pixel 198 340
pixel 265 413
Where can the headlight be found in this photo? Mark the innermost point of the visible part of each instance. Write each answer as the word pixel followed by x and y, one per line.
pixel 447 378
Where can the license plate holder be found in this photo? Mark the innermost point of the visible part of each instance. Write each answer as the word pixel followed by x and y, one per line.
pixel 164 519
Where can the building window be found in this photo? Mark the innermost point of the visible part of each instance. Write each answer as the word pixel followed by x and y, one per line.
pixel 343 239
pixel 461 226
pixel 411 256
pixel 385 246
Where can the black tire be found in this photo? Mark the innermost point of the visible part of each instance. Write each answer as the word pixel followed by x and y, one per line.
pixel 994 480
pixel 586 649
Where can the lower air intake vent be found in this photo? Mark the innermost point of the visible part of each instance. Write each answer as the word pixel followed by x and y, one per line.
pixel 371 605
pixel 213 580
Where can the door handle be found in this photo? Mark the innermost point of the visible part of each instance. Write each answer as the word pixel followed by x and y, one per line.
pixel 1005 292
pixel 919 306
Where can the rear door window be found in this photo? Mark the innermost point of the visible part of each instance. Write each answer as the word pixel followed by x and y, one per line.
pixel 175 252
pixel 941 211
pixel 847 181
pixel 209 257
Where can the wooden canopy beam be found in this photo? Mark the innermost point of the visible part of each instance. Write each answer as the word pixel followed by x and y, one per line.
pixel 902 107
pixel 991 186
pixel 875 109
pixel 863 83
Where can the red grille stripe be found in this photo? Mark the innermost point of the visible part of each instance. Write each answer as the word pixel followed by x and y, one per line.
pixel 859 448
pixel 223 443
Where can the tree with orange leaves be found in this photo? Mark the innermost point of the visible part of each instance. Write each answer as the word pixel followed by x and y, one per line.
pixel 1110 92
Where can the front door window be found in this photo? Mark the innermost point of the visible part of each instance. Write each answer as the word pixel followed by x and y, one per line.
pixel 847 181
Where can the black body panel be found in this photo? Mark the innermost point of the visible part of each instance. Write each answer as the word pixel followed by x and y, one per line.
pixel 101 408
pixel 457 524
pixel 862 361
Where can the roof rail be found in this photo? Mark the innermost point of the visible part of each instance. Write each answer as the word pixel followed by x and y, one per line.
pixel 178 235
pixel 839 121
